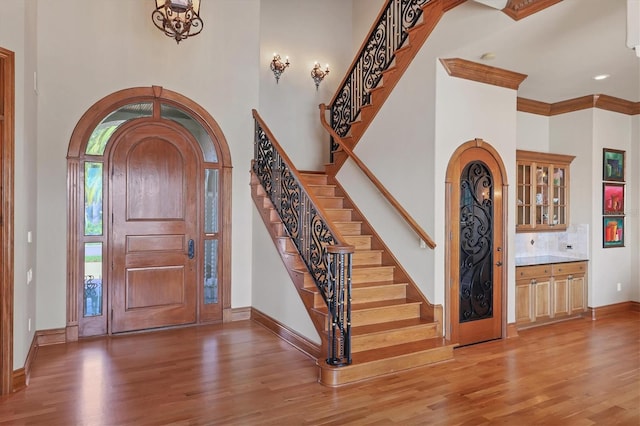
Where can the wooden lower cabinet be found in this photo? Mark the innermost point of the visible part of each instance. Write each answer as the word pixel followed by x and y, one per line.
pixel 546 293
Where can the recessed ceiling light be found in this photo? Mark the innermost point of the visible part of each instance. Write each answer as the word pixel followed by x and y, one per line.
pixel 601 77
pixel 488 56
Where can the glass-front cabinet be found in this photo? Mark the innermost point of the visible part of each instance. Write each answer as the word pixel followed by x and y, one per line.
pixel 542 191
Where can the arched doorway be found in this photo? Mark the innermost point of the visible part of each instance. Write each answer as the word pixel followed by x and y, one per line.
pixel 149 196
pixel 476 252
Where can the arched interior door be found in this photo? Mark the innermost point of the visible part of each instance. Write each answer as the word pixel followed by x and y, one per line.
pixel 154 192
pixel 476 250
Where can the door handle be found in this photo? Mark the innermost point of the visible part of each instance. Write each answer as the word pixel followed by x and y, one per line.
pixel 191 249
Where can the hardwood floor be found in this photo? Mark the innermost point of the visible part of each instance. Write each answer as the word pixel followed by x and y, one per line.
pixel 578 372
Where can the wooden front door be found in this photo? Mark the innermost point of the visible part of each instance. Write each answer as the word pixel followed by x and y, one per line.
pixel 476 252
pixel 154 227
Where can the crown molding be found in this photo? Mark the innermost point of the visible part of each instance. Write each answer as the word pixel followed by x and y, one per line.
pixel 519 9
pixel 605 102
pixel 469 70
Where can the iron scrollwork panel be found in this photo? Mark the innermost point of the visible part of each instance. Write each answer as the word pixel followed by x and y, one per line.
pixel 378 53
pixel 476 242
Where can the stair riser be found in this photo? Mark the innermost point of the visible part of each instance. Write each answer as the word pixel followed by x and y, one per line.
pixel 349 228
pixel 360 242
pixel 331 203
pixel 385 314
pixel 366 257
pixel 324 190
pixel 378 293
pixel 392 337
pixel 339 215
pixel 314 179
pixel 357 372
pixel 373 274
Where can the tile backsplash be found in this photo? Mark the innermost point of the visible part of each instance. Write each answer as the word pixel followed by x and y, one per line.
pixel 554 243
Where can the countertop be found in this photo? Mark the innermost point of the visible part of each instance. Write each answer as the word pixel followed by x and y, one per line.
pixel 545 260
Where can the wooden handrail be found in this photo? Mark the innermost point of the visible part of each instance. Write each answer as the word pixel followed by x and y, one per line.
pixel 405 215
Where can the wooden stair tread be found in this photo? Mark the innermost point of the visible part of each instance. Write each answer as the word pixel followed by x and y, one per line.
pixel 391 325
pixel 399 350
pixel 374 305
pixel 381 304
pixel 375 284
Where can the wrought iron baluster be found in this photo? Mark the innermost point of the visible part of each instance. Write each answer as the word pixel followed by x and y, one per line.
pixel 312 236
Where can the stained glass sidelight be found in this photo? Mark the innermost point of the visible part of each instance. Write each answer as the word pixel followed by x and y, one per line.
pixel 211 201
pixel 476 244
pixel 92 294
pixel 210 272
pixel 93 198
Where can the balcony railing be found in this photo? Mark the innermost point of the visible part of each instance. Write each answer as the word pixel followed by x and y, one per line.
pixel 375 56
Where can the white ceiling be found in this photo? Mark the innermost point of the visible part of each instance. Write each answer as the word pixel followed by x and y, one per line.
pixel 560 48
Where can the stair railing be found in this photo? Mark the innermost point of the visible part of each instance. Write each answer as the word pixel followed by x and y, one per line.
pixel 323 250
pixel 375 56
pixel 376 182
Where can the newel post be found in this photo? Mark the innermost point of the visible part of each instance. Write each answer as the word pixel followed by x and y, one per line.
pixel 339 304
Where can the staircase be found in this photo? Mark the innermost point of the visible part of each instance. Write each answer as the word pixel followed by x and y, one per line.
pixel 393 326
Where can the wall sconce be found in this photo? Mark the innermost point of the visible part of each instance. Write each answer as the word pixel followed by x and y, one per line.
pixel 178 18
pixel 277 66
pixel 318 74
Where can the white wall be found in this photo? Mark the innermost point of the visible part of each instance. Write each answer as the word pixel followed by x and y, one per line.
pixel 16 34
pixel 365 13
pixel 273 293
pixel 609 266
pixel 79 64
pixel 572 134
pixel 305 31
pixel 533 132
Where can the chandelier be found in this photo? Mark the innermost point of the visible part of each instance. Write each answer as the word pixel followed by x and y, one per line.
pixel 178 19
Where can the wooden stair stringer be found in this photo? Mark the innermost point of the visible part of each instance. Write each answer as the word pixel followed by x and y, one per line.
pixel 295 266
pixel 418 34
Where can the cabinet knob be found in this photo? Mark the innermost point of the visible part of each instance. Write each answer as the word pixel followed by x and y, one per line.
pixel 498 263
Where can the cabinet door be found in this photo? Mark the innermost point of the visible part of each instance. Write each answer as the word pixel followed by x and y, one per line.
pixel 578 292
pixel 560 296
pixel 542 299
pixel 560 197
pixel 524 301
pixel 525 201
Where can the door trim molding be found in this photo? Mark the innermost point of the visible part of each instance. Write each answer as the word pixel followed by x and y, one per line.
pixel 7 98
pixel 452 175
pixel 87 123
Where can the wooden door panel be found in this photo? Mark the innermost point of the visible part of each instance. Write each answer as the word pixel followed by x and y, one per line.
pixel 154 214
pixel 153 286
pixel 155 168
pixel 142 243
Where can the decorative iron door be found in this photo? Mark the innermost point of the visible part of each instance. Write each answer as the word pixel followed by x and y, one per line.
pixel 476 243
pixel 476 223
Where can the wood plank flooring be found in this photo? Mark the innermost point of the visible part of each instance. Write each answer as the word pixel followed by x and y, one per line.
pixel 578 372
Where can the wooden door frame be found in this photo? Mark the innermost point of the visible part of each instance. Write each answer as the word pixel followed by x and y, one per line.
pixel 80 136
pixel 451 271
pixel 7 99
